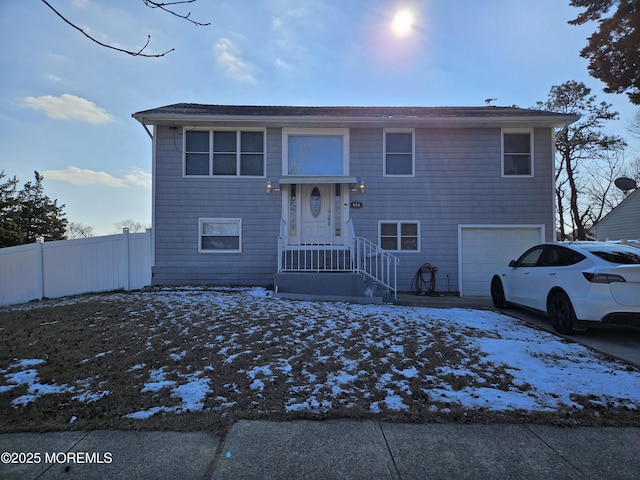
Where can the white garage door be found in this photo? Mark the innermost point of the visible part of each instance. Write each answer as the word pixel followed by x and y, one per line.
pixel 482 250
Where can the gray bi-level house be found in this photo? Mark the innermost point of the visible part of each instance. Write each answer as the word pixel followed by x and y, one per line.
pixel 334 200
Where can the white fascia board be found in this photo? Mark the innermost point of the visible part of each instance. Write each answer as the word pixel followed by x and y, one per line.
pixel 416 122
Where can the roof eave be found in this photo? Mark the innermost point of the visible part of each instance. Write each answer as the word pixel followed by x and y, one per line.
pixel 279 120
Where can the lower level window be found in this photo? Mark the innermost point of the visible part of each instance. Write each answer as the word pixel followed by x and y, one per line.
pixel 220 235
pixel 399 236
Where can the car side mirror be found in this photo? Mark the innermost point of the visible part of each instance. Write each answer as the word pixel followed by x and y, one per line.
pixel 512 263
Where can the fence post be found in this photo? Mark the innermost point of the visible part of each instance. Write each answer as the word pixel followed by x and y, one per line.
pixel 127 281
pixel 40 265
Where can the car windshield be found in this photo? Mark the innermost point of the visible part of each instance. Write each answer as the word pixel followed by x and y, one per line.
pixel 623 257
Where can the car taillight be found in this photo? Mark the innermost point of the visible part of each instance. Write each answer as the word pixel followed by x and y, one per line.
pixel 603 277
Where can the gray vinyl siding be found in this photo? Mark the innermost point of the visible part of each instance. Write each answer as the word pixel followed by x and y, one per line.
pixel 181 201
pixel 623 222
pixel 458 180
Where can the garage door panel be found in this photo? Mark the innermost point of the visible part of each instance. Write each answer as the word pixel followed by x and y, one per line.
pixel 485 249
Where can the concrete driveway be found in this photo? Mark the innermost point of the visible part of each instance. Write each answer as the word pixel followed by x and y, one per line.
pixel 622 344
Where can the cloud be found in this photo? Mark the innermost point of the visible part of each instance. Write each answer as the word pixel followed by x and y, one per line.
pixel 229 58
pixel 55 78
pixel 280 63
pixel 135 177
pixel 69 107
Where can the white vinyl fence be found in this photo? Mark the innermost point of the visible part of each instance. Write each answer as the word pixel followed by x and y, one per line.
pixel 70 267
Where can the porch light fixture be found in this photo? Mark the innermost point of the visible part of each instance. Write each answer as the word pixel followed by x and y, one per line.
pixel 358 187
pixel 271 187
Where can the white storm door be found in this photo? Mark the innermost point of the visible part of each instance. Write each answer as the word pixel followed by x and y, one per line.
pixel 316 215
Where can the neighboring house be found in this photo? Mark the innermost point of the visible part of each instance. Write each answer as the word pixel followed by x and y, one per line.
pixel 621 223
pixel 263 195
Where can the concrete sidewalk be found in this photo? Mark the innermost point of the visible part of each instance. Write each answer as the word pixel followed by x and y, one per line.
pixel 334 449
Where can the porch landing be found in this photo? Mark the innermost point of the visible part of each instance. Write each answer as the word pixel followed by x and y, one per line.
pixel 328 286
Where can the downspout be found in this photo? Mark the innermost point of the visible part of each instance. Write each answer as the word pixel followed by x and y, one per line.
pixel 554 152
pixel 145 127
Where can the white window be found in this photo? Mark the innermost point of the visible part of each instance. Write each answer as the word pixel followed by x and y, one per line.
pixel 399 236
pixel 220 235
pixel 224 152
pixel 517 153
pixel 307 151
pixel 196 160
pixel 399 149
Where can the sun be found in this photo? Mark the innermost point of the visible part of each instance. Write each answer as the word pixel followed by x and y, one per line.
pixel 402 23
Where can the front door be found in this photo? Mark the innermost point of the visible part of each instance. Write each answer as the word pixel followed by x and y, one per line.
pixel 316 213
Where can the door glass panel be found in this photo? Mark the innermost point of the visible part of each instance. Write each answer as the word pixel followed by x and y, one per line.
pixel 338 210
pixel 293 214
pixel 315 202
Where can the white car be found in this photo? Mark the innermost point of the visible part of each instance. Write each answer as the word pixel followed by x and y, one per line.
pixel 575 283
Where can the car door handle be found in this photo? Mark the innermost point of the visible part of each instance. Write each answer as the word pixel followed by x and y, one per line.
pixel 552 273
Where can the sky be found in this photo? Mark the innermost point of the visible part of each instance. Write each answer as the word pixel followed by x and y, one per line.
pixel 66 103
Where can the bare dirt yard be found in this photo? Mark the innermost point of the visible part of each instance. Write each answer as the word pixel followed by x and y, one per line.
pixel 202 358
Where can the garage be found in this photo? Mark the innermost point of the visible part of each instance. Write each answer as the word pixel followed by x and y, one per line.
pixel 482 249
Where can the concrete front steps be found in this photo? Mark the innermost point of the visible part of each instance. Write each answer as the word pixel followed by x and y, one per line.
pixel 329 286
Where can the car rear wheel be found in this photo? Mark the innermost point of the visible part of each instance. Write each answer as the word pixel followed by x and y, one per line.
pixel 497 294
pixel 561 313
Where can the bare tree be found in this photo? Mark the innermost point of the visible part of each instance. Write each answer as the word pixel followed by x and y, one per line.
pixel 132 225
pixel 633 168
pixel 78 230
pixel 582 149
pixel 634 126
pixel 164 6
pixel 600 191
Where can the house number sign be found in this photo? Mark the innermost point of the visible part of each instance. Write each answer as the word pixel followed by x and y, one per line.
pixel 356 204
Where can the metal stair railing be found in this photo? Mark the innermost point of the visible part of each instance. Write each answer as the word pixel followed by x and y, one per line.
pixel 348 254
pixel 373 262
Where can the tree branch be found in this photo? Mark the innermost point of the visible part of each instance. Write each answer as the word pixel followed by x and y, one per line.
pixel 128 52
pixel 163 6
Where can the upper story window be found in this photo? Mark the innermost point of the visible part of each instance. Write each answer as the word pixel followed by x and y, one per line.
pixel 315 151
pixel 517 153
pixel 224 152
pixel 399 158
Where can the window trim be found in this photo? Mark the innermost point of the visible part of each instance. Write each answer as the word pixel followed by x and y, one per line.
pixel 316 132
pixel 238 151
pixel 399 223
pixel 412 131
pixel 237 221
pixel 530 131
